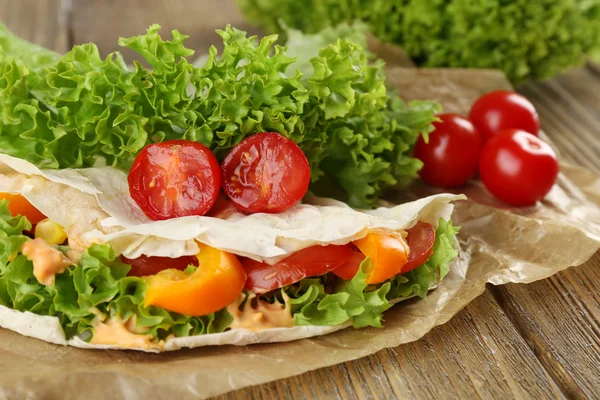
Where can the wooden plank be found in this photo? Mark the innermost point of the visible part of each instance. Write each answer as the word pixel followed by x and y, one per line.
pixel 560 319
pixel 569 109
pixel 478 353
pixel 43 22
pixel 103 22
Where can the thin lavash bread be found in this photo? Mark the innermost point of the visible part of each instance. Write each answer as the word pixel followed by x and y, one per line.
pixel 94 206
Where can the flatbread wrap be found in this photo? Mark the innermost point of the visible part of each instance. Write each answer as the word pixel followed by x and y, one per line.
pixel 94 304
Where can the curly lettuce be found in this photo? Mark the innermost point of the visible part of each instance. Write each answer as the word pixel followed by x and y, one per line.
pixel 524 38
pixel 331 100
pixel 32 55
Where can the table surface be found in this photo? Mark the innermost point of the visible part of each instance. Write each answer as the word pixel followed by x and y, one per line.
pixel 539 340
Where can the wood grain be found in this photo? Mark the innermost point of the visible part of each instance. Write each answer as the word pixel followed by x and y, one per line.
pixel 569 108
pixel 477 354
pixel 43 22
pixel 103 22
pixel 559 318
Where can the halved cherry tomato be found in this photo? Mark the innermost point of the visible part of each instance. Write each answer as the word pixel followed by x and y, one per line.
pixel 217 282
pixel 420 239
pixel 500 110
pixel 387 254
pixel 145 266
pixel 350 267
pixel 175 179
pixel 222 207
pixel 265 172
pixel 312 261
pixel 19 205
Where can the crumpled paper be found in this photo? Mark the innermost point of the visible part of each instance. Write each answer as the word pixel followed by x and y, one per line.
pixel 500 244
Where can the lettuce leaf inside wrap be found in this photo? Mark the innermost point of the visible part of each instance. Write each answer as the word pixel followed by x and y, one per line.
pixel 99 286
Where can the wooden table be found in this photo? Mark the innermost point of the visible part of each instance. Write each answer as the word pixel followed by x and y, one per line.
pixel 539 340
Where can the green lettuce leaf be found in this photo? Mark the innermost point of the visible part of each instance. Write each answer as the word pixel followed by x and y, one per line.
pixel 524 38
pixel 325 95
pixel 33 56
pixel 326 301
pixel 97 285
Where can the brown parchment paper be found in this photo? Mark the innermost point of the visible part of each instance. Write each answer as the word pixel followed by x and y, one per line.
pixel 499 245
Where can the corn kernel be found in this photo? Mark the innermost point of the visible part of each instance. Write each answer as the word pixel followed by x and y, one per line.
pixel 50 231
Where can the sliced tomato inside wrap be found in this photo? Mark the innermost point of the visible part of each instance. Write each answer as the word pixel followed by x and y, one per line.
pixel 119 280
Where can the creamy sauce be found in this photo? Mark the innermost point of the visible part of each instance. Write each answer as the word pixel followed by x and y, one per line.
pixel 256 314
pixel 117 332
pixel 47 260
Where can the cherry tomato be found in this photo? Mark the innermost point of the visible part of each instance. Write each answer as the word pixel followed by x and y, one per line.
pixel 175 179
pixel 218 281
pixel 347 270
pixel 312 261
pixel 19 205
pixel 146 266
pixel 265 172
pixel 501 110
pixel 450 157
pixel 420 239
pixel 518 168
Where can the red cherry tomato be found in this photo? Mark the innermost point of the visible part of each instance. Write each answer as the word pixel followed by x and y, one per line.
pixel 312 261
pixel 347 270
pixel 146 266
pixel 450 157
pixel 265 172
pixel 420 239
pixel 173 179
pixel 501 110
pixel 518 168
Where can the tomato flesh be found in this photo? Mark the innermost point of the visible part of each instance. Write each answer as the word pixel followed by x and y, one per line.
pixel 312 261
pixel 347 270
pixel 518 168
pixel 146 266
pixel 502 110
pixel 420 240
pixel 173 179
pixel 19 205
pixel 451 155
pixel 266 172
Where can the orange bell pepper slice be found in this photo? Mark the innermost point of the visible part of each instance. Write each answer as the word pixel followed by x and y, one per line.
pixel 388 254
pixel 19 205
pixel 217 282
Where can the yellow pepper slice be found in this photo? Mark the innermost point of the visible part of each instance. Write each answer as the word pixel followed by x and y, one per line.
pixel 217 282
